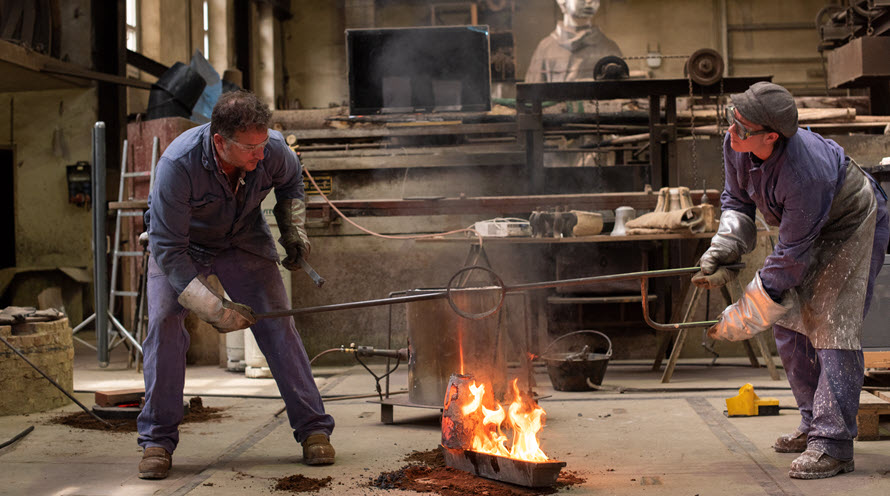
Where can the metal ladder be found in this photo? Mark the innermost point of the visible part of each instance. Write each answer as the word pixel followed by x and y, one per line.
pixel 123 334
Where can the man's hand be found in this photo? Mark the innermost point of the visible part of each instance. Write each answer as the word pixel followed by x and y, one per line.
pixel 214 309
pixel 291 217
pixel 754 313
pixel 721 277
pixel 735 237
pixel 292 261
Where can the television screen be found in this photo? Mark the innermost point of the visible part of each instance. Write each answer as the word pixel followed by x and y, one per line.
pixel 425 69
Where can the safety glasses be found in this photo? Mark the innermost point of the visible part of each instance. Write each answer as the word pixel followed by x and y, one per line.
pixel 740 130
pixel 249 148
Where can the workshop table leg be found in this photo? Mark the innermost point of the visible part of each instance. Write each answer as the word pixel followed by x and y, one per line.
pixel 681 338
pixel 767 356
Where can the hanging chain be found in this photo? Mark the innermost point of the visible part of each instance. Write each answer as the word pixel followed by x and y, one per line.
pixel 644 57
pixel 599 136
pixel 692 130
pixel 720 111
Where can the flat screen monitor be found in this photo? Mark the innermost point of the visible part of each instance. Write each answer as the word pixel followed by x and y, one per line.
pixel 425 69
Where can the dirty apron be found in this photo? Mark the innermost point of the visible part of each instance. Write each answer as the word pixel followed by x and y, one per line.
pixel 818 341
pixel 827 306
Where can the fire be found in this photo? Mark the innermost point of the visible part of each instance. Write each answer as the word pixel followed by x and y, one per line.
pixel 524 418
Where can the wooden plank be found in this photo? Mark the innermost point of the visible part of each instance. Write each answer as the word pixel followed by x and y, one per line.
pixel 867 420
pixel 877 359
pixel 119 396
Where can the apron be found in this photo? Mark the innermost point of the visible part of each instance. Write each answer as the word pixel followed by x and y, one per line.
pixel 827 307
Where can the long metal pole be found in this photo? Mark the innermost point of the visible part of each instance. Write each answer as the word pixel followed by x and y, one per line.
pixel 100 291
pixel 645 275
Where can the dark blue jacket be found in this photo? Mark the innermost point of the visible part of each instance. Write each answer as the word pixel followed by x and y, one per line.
pixel 193 213
pixel 793 189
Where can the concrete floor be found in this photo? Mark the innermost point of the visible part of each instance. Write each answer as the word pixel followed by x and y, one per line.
pixel 666 443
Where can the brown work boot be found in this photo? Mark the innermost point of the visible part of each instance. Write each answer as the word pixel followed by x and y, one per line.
pixel 155 464
pixel 796 442
pixel 317 450
pixel 815 465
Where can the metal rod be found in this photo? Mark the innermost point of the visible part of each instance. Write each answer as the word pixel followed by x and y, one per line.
pixel 610 278
pixel 54 383
pixel 100 289
pixel 354 304
pixel 645 276
pixel 644 289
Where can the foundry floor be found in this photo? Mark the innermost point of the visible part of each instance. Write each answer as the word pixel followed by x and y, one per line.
pixel 665 443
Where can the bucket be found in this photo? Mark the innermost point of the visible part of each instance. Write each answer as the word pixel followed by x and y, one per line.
pixel 570 370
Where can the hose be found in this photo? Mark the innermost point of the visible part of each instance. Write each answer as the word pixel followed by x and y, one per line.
pixel 385 236
pixel 17 437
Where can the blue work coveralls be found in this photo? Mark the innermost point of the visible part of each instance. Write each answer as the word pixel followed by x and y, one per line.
pixel 794 189
pixel 198 225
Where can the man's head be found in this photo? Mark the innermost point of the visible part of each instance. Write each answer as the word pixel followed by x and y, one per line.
pixel 579 9
pixel 760 116
pixel 240 128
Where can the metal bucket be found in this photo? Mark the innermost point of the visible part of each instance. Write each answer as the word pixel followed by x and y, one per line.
pixel 435 334
pixel 571 370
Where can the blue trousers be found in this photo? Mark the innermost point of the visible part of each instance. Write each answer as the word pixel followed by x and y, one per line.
pixel 253 281
pixel 826 383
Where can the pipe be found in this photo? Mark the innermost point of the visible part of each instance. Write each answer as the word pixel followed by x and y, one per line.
pixel 17 437
pixel 100 269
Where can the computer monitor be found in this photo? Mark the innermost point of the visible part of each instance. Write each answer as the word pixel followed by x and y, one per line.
pixel 422 69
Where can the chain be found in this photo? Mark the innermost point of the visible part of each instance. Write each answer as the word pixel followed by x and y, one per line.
pixel 644 57
pixel 692 129
pixel 720 110
pixel 599 136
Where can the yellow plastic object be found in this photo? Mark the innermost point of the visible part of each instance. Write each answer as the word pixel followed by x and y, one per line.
pixel 747 403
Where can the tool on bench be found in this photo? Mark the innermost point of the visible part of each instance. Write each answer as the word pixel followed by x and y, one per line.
pixel 748 404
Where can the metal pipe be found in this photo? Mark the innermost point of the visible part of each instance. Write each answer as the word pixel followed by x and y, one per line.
pixel 644 276
pixel 353 304
pixel 100 289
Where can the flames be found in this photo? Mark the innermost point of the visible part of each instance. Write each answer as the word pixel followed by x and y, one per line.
pixel 523 417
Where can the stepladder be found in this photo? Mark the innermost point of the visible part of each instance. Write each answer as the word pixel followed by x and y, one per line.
pixel 128 331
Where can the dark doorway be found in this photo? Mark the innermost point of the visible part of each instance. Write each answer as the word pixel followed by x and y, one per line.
pixel 7 210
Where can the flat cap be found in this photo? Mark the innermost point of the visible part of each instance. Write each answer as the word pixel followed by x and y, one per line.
pixel 768 105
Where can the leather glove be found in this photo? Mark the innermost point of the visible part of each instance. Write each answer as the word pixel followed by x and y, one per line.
pixel 291 217
pixel 754 313
pixel 735 236
pixel 214 309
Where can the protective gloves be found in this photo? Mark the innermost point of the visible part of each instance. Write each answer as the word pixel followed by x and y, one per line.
pixel 212 308
pixel 291 217
pixel 755 312
pixel 736 236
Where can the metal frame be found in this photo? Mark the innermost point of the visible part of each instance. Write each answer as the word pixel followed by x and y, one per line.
pixel 662 131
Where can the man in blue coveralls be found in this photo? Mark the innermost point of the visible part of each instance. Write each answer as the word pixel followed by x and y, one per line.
pixel 204 218
pixel 815 287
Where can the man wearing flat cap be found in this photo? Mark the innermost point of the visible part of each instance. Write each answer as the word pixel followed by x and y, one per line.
pixel 815 287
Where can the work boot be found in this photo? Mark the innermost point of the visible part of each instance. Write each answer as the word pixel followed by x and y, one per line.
pixel 155 464
pixel 796 442
pixel 317 450
pixel 815 465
